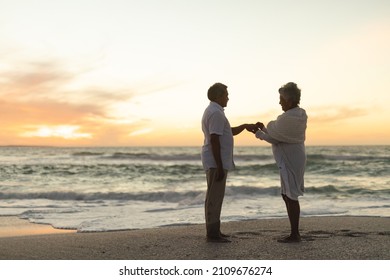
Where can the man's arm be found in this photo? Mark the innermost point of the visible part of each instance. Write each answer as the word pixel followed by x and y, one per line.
pixel 238 129
pixel 216 149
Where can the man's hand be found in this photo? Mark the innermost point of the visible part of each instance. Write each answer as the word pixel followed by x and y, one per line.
pixel 220 174
pixel 216 148
pixel 251 128
pixel 260 125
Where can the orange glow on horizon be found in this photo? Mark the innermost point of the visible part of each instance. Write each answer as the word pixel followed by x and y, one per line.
pixel 61 131
pixel 120 136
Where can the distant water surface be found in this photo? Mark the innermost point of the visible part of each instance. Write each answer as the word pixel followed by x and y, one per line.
pixel 102 189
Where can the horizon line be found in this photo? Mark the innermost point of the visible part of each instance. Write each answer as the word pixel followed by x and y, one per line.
pixel 178 146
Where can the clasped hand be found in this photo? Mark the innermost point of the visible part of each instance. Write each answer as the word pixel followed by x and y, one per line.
pixel 254 127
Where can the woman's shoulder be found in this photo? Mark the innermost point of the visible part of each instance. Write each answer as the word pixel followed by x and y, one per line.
pixel 297 111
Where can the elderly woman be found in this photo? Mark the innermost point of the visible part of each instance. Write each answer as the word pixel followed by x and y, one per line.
pixel 287 136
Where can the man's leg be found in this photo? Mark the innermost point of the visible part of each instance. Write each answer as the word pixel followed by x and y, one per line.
pixel 213 205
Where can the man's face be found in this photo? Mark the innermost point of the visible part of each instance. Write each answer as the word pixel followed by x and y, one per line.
pixel 223 100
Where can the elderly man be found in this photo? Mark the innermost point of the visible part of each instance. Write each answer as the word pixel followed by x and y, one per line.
pixel 217 157
pixel 287 136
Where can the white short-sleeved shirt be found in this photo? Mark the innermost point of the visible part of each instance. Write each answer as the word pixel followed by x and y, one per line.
pixel 214 121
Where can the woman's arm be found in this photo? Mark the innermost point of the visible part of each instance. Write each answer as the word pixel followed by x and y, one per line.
pixel 262 134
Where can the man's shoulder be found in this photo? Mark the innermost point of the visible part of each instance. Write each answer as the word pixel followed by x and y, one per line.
pixel 213 109
pixel 214 106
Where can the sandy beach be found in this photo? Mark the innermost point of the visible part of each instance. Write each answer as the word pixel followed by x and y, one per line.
pixel 327 238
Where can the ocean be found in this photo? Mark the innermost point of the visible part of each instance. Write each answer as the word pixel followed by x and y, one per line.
pixel 120 188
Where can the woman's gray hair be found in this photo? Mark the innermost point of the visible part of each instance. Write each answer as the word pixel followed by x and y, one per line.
pixel 291 92
pixel 216 91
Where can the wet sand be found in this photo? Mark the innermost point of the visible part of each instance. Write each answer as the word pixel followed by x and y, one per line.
pixel 323 238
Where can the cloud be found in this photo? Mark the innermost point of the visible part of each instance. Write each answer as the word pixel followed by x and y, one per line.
pixel 318 115
pixel 51 81
pixel 39 101
pixel 47 111
pixel 33 80
pixel 43 102
pixel 332 114
pixel 141 131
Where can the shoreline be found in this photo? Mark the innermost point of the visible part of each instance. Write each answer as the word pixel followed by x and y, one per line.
pixel 12 226
pixel 323 238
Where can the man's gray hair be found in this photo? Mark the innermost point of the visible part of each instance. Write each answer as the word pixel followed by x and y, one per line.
pixel 216 91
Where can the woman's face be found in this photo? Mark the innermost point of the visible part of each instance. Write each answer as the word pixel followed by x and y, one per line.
pixel 286 105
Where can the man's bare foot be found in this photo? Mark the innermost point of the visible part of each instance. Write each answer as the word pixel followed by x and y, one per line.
pixel 290 239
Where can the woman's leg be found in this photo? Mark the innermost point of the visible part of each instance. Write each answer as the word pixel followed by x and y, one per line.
pixel 293 211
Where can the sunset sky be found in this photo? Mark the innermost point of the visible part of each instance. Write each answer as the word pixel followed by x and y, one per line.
pixel 130 73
